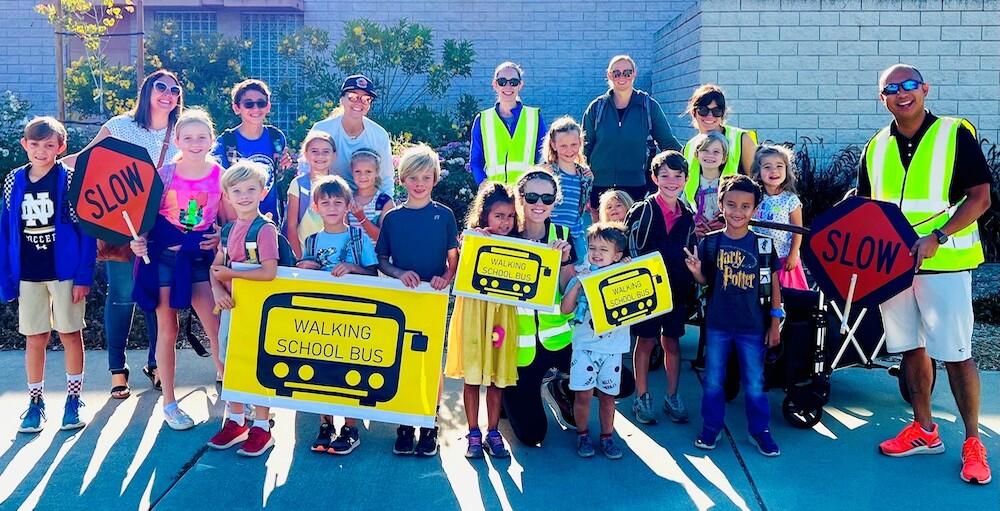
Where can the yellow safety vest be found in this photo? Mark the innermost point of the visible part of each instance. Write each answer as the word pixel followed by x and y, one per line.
pixel 921 191
pixel 551 330
pixel 507 157
pixel 735 137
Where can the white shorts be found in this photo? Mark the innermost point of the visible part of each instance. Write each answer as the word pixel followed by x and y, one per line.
pixel 592 370
pixel 935 313
pixel 46 306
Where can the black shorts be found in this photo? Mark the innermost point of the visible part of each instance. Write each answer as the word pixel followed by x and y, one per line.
pixel 670 324
pixel 636 192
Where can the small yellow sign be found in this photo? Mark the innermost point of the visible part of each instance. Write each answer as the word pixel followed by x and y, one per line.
pixel 623 294
pixel 508 270
pixel 358 346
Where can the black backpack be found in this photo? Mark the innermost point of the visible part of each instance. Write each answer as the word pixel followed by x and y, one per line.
pixel 285 255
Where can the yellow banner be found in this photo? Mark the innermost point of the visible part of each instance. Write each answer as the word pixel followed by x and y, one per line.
pixel 508 270
pixel 357 346
pixel 624 294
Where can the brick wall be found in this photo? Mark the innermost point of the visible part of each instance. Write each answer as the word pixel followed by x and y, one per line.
pixel 27 55
pixel 794 68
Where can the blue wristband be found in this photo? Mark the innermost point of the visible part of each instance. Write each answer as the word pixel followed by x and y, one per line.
pixel 778 313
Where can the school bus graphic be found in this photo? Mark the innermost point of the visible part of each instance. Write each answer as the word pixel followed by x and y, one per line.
pixel 508 272
pixel 340 345
pixel 629 295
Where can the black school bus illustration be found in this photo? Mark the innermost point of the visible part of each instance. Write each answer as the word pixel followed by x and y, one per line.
pixel 508 272
pixel 629 295
pixel 339 345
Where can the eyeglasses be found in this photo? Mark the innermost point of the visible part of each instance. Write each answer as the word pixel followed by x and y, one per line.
pixel 616 74
pixel 547 198
pixel 891 89
pixel 354 97
pixel 162 87
pixel 513 82
pixel 260 103
pixel 704 111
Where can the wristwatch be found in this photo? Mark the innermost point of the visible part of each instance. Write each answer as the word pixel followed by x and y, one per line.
pixel 942 238
pixel 778 313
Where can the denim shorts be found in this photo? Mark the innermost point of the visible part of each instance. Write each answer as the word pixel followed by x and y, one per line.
pixel 168 260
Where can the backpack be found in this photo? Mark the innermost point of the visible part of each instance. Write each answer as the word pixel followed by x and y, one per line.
pixel 765 247
pixel 355 241
pixel 651 147
pixel 285 255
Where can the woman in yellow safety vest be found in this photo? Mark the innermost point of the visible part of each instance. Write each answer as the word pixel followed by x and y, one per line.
pixel 506 138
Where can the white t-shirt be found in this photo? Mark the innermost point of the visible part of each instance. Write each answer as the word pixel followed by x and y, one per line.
pixel 124 127
pixel 373 137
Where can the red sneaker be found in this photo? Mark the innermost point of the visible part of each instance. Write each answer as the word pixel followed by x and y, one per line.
pixel 975 470
pixel 230 435
pixel 258 442
pixel 913 440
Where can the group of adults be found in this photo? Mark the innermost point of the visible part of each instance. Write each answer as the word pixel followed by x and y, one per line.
pixel 902 163
pixel 931 167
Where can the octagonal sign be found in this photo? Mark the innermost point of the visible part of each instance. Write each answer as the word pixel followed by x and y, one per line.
pixel 111 178
pixel 865 237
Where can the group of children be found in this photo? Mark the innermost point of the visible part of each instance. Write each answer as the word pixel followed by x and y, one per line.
pixel 354 228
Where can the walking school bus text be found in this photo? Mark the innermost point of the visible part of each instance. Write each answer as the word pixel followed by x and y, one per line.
pixel 507 271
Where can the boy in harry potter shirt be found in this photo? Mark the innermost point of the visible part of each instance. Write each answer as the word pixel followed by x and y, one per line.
pixel 743 313
pixel 47 263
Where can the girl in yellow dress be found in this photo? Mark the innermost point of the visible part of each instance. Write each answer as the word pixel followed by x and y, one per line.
pixel 482 345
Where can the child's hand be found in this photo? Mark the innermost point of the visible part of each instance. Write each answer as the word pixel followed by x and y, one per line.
pixel 223 273
pixel 139 247
pixel 774 334
pixel 588 173
pixel 439 283
pixel 692 261
pixel 211 241
pixel 791 261
pixel 286 161
pixel 358 211
pixel 562 246
pixel 308 264
pixel 410 279
pixel 343 269
pixel 80 293
pixel 626 260
pixel 223 300
pixel 482 230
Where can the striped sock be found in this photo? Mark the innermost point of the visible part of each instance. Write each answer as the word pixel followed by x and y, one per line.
pixel 74 384
pixel 35 389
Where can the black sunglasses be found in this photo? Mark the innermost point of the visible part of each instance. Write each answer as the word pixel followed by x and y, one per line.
pixel 892 89
pixel 716 112
pixel 260 103
pixel 513 82
pixel 616 74
pixel 547 198
pixel 162 87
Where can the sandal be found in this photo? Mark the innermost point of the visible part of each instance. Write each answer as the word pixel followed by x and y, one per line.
pixel 121 391
pixel 153 378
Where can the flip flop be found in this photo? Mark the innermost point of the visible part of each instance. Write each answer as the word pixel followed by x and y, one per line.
pixel 121 391
pixel 152 378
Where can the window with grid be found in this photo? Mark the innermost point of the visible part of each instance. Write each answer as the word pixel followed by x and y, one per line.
pixel 188 23
pixel 262 61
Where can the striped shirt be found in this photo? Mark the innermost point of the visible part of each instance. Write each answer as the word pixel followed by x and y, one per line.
pixel 567 213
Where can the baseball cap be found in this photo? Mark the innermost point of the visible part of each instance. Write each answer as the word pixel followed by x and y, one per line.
pixel 358 83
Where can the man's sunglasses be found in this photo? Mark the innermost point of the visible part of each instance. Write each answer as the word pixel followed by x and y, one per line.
pixel 616 74
pixel 716 112
pixel 513 82
pixel 162 87
pixel 547 198
pixel 260 103
pixel 892 89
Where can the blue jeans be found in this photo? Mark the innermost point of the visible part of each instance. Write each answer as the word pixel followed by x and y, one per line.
pixel 750 349
pixel 118 310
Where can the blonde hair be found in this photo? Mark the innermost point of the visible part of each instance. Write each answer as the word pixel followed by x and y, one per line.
pixel 315 135
pixel 418 159
pixel 616 59
pixel 372 156
pixel 785 154
pixel 613 194
pixel 508 65
pixel 194 115
pixel 41 128
pixel 703 140
pixel 244 170
pixel 564 124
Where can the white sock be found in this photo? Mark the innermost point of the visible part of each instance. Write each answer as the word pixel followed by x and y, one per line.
pixel 262 424
pixel 238 418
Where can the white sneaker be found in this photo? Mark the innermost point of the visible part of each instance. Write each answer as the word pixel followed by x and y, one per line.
pixel 178 420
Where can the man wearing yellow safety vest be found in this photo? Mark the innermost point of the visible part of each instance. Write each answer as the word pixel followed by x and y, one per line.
pixel 934 169
pixel 506 138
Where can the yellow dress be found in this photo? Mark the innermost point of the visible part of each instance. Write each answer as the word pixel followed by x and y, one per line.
pixel 471 355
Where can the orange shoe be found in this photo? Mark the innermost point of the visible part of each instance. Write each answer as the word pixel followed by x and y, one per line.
pixel 975 470
pixel 913 440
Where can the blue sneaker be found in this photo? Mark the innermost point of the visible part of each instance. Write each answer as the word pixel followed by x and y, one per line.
pixel 706 440
pixel 71 414
pixel 765 443
pixel 32 417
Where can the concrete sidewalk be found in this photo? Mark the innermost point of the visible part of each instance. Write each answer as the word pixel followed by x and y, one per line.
pixel 127 459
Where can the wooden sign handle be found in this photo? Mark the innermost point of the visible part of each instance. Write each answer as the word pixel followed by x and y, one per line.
pixel 135 235
pixel 847 305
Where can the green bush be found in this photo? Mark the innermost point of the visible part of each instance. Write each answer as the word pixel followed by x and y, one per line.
pixel 989 223
pixel 116 94
pixel 987 308
pixel 13 114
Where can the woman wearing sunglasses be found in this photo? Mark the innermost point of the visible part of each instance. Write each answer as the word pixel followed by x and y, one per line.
pixel 148 125
pixel 352 130
pixel 707 107
pixel 507 138
pixel 624 129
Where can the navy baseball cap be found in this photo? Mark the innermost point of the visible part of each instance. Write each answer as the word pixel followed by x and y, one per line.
pixel 358 83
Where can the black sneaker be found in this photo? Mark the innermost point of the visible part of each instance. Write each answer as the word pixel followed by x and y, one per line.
pixel 322 442
pixel 404 441
pixel 428 444
pixel 346 442
pixel 563 398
